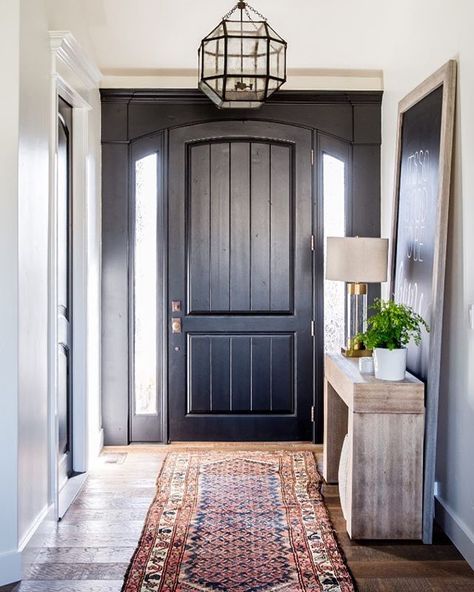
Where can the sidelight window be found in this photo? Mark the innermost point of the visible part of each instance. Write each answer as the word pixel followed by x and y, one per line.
pixel 145 287
pixel 334 225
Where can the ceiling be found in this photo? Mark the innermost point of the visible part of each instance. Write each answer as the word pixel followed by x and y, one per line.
pixel 139 37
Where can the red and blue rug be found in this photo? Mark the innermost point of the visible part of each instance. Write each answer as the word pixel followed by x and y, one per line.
pixel 238 522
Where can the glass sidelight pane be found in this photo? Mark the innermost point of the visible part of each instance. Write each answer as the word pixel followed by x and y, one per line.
pixel 334 225
pixel 145 260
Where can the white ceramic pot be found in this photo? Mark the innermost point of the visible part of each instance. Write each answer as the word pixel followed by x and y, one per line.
pixel 390 364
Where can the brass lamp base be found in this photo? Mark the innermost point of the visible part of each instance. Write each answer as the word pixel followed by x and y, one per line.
pixel 356 353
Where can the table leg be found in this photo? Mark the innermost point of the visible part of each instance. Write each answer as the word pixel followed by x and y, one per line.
pixel 335 429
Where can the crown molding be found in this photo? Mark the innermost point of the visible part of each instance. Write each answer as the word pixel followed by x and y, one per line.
pixel 194 96
pixel 67 49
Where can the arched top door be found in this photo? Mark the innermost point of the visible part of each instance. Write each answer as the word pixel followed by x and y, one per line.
pixel 240 279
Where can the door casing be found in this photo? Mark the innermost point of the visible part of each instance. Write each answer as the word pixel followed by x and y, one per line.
pixel 73 77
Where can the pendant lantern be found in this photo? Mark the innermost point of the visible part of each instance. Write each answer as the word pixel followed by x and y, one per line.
pixel 242 61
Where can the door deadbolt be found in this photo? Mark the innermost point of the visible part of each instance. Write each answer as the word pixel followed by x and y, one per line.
pixel 175 325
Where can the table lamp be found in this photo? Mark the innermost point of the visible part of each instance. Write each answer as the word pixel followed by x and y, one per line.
pixel 358 261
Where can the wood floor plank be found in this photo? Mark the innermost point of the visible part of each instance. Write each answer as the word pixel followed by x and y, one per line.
pixel 411 569
pixel 402 584
pixel 85 527
pixel 69 586
pixel 377 552
pixel 112 516
pixel 76 571
pixel 101 539
pixel 85 554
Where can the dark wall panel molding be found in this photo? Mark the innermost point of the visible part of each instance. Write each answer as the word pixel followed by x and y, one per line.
pixel 352 116
pixel 115 379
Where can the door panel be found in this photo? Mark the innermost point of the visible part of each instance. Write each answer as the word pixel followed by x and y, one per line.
pixel 240 221
pixel 241 373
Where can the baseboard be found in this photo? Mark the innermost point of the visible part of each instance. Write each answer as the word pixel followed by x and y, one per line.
pixel 10 567
pixel 459 533
pixel 25 539
pixel 69 492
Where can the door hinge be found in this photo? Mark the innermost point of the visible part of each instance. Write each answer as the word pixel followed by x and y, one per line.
pixel 312 413
pixel 312 242
pixel 312 156
pixel 312 328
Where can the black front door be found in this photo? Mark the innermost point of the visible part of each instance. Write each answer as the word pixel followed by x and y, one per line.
pixel 240 282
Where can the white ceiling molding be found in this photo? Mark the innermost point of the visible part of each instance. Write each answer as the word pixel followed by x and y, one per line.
pixel 71 54
pixel 298 78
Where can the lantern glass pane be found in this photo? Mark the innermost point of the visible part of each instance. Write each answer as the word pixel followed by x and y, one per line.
pixel 245 88
pixel 217 85
pixel 246 29
pixel 213 57
pixel 217 32
pixel 277 59
pixel 273 34
pixel 246 56
pixel 273 85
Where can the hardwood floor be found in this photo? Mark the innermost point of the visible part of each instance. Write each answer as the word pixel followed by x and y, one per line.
pixel 89 550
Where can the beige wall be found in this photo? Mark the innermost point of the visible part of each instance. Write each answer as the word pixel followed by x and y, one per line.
pixel 423 36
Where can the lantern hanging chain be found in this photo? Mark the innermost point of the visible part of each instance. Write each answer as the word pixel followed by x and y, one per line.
pixel 242 42
pixel 247 8
pixel 250 19
pixel 259 14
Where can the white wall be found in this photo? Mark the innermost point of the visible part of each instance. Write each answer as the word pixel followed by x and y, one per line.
pixel 9 107
pixel 420 38
pixel 25 112
pixel 33 197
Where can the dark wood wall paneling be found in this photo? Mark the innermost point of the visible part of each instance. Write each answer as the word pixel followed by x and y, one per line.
pixel 354 117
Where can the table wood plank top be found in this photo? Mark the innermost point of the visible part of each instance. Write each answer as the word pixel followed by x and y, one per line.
pixel 363 393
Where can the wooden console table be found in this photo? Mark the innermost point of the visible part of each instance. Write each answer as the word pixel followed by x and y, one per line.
pixel 381 469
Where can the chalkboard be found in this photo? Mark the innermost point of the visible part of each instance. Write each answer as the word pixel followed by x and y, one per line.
pixel 419 238
pixel 416 235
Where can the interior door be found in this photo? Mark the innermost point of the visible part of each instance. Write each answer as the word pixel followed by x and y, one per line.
pixel 240 282
pixel 64 293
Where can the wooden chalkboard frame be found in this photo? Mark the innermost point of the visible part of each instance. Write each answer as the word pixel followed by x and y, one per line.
pixel 445 77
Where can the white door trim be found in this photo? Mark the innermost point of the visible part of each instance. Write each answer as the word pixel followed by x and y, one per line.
pixel 73 75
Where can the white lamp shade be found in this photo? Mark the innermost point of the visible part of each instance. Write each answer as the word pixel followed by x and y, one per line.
pixel 357 259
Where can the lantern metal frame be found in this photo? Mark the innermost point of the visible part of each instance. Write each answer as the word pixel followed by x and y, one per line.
pixel 243 95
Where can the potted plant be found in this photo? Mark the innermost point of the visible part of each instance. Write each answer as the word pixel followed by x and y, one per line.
pixel 389 330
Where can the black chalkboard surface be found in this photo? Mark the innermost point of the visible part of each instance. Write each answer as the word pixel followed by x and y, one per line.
pixel 419 239
pixel 417 216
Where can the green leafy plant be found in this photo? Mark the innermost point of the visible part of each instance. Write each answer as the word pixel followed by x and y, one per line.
pixel 392 326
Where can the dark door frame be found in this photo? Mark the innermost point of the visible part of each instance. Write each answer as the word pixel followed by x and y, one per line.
pixel 350 118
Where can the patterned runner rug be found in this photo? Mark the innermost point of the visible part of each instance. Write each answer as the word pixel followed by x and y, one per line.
pixel 238 522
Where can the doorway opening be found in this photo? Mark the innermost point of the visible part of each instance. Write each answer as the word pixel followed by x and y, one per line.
pixel 226 216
